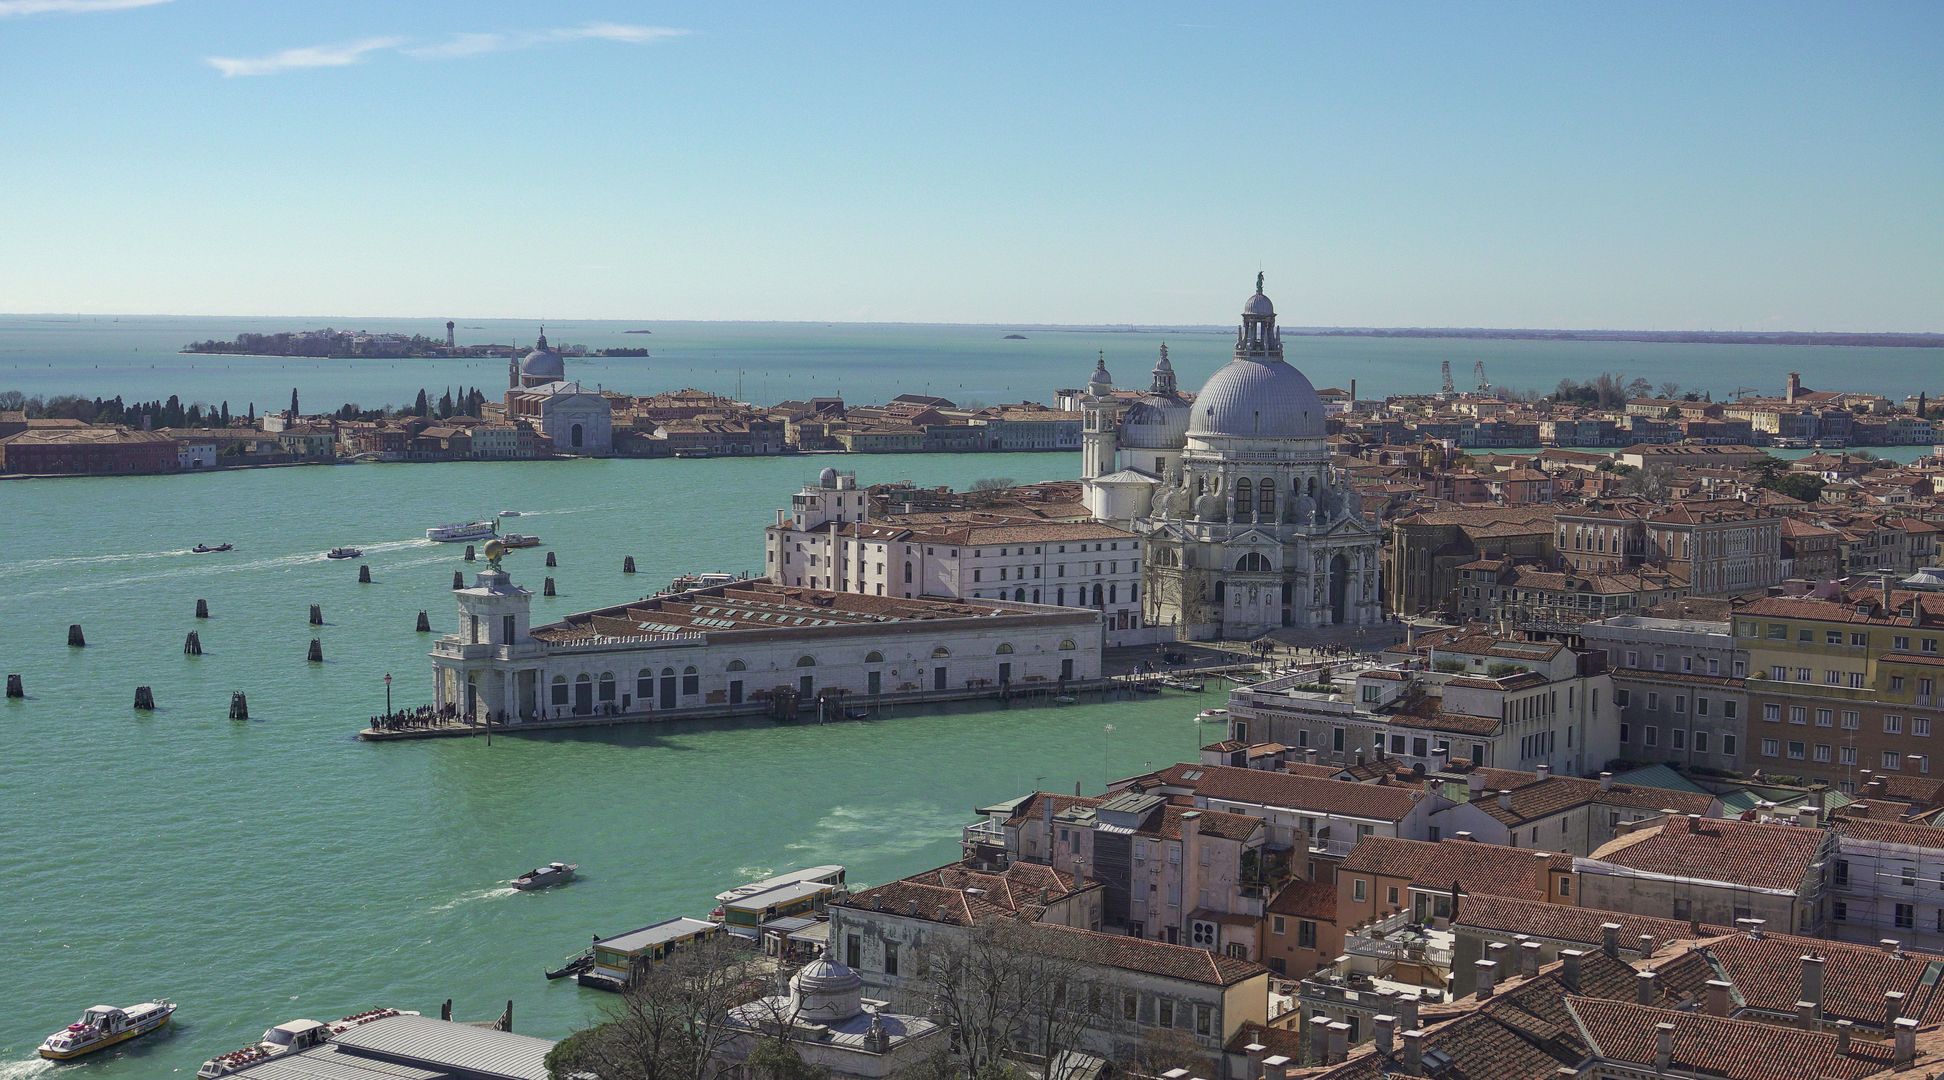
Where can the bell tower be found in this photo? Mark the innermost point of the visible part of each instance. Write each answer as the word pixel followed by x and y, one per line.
pixel 1100 423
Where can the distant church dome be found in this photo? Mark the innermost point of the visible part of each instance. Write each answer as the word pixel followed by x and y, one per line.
pixel 1258 395
pixel 542 365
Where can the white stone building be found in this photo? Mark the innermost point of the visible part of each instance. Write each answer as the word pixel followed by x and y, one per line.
pixel 827 539
pixel 747 647
pixel 577 419
pixel 1247 525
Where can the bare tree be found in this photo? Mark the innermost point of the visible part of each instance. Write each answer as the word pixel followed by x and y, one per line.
pixel 1639 388
pixel 1670 390
pixel 672 1024
pixel 1007 988
pixel 992 483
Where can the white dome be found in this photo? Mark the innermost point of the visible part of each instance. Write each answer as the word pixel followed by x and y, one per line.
pixel 1258 304
pixel 543 364
pixel 1155 423
pixel 825 990
pixel 1258 399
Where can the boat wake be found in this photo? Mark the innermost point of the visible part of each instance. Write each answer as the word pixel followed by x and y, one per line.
pixel 20 1070
pixel 475 896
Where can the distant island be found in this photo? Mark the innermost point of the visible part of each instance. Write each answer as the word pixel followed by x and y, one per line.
pixel 1014 337
pixel 330 344
pixel 1690 337
pixel 637 331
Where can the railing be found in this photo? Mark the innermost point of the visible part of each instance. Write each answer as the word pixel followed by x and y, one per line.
pixel 984 831
pixel 1331 849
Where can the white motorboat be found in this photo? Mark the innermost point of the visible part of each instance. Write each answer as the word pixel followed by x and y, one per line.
pixel 458 534
pixel 105 1025
pixel 541 877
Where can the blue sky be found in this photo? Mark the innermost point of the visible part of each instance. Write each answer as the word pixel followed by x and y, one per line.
pixel 1720 165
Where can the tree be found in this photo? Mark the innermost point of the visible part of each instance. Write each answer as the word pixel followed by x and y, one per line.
pixel 293 401
pixel 1652 482
pixel 1008 986
pixel 992 483
pixel 1639 388
pixel 421 405
pixel 1804 486
pixel 1670 390
pixel 672 1024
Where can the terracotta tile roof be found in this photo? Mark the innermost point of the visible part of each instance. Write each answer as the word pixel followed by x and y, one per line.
pixel 1306 900
pixel 1558 794
pixel 1766 973
pixel 1744 853
pixel 1283 1041
pixel 1487 868
pixel 1891 832
pixel 1730 1049
pixel 1183 962
pixel 941 895
pixel 1287 790
pixel 1562 922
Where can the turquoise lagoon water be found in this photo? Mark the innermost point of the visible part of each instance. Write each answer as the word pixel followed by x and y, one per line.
pixel 260 871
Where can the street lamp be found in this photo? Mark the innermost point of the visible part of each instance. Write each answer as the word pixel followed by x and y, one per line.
pixel 387 693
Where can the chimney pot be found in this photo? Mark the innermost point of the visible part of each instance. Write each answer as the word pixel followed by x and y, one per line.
pixel 1413 1051
pixel 1646 946
pixel 1475 781
pixel 1276 1067
pixel 1569 971
pixel 1892 1008
pixel 1462 834
pixel 1717 998
pixel 1889 945
pixel 1487 977
pixel 1610 939
pixel 1812 974
pixel 1505 799
pixel 1319 1039
pixel 1906 1029
pixel 1646 987
pixel 1339 1041
pixel 1386 1034
pixel 1663 1046
pixel 1606 781
pixel 1544 771
pixel 1843 1037
pixel 1529 957
pixel 1806 1015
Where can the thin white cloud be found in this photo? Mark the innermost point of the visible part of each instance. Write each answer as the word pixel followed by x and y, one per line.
pixel 480 44
pixel 70 7
pixel 310 56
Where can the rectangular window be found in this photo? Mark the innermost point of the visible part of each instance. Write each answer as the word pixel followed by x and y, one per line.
pixel 1680 704
pixel 853 952
pixel 1797 751
pixel 1166 1017
pixel 1851 719
pixel 1771 748
pixel 1622 696
pixel 1798 714
pixel 1727 746
pixel 1892 725
pixel 890 958
pixel 1891 760
pixel 1803 674
pixel 1623 733
pixel 1920 726
pixel 1846 756
pixel 1305 934
pixel 1653 701
pixel 1276 925
pixel 1729 709
pixel 1825 718
pixel 1896 683
pixel 1650 735
pixel 1700 742
pixel 1859 640
pixel 1771 711
pixel 1900 643
pixel 1359 890
pixel 1130 1007
pixel 1906 915
pixel 1822 753
pixel 1839 911
pixel 1833 637
pixel 1676 739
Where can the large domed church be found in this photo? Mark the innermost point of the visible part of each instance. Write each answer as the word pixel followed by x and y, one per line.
pixel 1246 525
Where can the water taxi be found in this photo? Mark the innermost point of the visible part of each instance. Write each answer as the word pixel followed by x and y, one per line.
pixel 541 877
pixel 517 540
pixel 344 553
pixel 460 533
pixel 205 549
pixel 105 1025
pixel 290 1037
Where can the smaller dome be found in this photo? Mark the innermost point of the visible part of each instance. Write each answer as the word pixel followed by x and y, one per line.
pixel 1155 423
pixel 825 990
pixel 1258 305
pixel 827 478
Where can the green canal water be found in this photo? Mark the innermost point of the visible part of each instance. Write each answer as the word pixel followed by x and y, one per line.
pixel 256 872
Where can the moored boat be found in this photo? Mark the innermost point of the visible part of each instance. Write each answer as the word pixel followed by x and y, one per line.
pixel 541 877
pixel 103 1026
pixel 574 965
pixel 290 1037
pixel 460 533
pixel 344 553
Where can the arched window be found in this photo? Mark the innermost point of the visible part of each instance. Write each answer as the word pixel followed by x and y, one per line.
pixel 1019 595
pixel 874 657
pixel 691 680
pixel 1252 561
pixel 1067 645
pixel 806 661
pixel 941 653
pixel 1244 500
pixel 1097 600
pixel 607 686
pixel 644 686
pixel 738 665
pixel 1005 648
pixel 1266 503
pixel 1312 487
pixel 1059 596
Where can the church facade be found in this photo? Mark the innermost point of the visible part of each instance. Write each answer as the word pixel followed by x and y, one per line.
pixel 1246 526
pixel 578 420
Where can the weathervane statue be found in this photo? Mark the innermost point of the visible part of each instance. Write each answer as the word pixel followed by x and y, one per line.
pixel 495 548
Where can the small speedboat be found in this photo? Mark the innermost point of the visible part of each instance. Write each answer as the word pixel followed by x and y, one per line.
pixel 205 549
pixel 105 1025
pixel 344 553
pixel 518 540
pixel 509 513
pixel 555 873
pixel 1065 699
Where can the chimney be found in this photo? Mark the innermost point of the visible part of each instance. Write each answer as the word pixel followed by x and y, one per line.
pixel 1276 1066
pixel 1569 971
pixel 1353 391
pixel 1806 1015
pixel 1413 1052
pixel 1257 1052
pixel 1406 1012
pixel 1892 1009
pixel 1544 771
pixel 1843 1037
pixel 1646 987
pixel 1890 945
pixel 1318 1039
pixel 1694 823
pixel 1752 926
pixel 1498 952
pixel 1475 780
pixel 1806 815
pixel 1487 977
pixel 1606 781
pixel 1462 835
pixel 1812 974
pixel 1906 1043
pixel 1717 999
pixel 1529 957
pixel 1663 1046
pixel 1646 946
pixel 1386 1034
pixel 1505 799
pixel 1339 1041
pixel 1610 939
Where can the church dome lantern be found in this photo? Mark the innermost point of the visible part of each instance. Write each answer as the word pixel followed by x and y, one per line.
pixel 1258 395
pixel 543 364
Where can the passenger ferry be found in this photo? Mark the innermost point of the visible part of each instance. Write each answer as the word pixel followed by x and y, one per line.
pixel 291 1037
pixel 105 1025
pixel 458 534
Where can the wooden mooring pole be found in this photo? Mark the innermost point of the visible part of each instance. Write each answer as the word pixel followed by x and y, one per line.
pixel 192 645
pixel 15 688
pixel 627 565
pixel 424 623
pixel 316 651
pixel 548 588
pixel 551 561
pixel 317 615
pixel 239 706
pixel 202 609
pixel 144 699
pixel 75 638
pixel 364 575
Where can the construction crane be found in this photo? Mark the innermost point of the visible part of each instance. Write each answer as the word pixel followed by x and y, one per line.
pixel 1478 372
pixel 1744 391
pixel 1449 389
